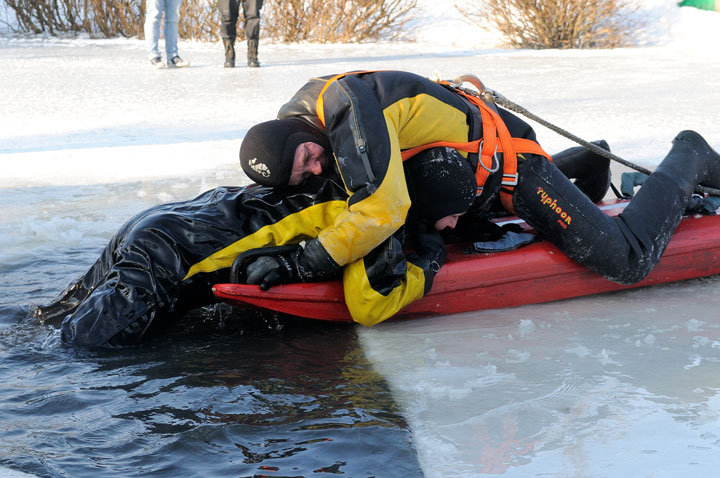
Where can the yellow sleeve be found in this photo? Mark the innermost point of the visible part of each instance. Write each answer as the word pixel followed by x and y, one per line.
pixel 368 222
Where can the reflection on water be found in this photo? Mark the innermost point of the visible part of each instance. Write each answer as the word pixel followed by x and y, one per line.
pixel 224 394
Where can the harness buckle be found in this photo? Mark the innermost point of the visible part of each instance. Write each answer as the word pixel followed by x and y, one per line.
pixel 494 165
pixel 512 181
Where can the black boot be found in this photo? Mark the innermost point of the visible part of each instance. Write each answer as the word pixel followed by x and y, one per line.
pixel 229 53
pixel 253 54
pixel 590 171
pixel 696 146
pixel 656 210
pixel 691 161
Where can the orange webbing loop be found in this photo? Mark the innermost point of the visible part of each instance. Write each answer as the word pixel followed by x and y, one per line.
pixel 488 153
pixel 508 145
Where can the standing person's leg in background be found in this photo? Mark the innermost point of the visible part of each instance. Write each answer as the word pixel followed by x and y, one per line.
pixel 153 15
pixel 229 10
pixel 172 19
pixel 251 11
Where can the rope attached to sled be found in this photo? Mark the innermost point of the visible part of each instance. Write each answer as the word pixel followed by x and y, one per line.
pixel 494 97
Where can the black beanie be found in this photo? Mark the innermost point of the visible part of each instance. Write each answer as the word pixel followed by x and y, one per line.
pixel 440 182
pixel 268 150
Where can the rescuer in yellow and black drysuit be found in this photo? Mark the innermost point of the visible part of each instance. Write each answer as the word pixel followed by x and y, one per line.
pixel 164 261
pixel 371 121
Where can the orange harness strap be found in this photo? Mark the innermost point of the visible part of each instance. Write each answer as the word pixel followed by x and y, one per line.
pixel 494 128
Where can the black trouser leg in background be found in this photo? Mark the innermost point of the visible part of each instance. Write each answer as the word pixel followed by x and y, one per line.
pixel 625 248
pixel 229 10
pixel 251 12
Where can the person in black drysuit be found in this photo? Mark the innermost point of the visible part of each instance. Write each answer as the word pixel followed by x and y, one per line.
pixel 139 285
pixel 164 261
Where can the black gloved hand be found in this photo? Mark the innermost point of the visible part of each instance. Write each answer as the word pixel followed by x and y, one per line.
pixel 286 264
pixel 472 229
pixel 268 271
pixel 430 252
pixel 429 245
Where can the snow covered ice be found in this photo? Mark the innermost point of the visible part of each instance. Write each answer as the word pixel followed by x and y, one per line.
pixel 617 385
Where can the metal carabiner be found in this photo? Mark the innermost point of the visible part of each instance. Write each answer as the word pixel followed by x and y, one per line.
pixel 496 161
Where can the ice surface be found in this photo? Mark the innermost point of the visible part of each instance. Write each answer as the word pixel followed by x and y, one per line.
pixel 611 386
pixel 614 385
pixel 7 473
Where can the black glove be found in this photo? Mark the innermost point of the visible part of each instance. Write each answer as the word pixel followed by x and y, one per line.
pixel 472 229
pixel 279 266
pixel 286 264
pixel 268 271
pixel 430 252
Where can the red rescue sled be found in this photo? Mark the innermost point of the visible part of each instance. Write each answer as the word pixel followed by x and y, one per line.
pixel 529 275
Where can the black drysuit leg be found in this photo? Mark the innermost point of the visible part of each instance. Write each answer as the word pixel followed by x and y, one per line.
pixel 590 171
pixel 625 248
pixel 69 300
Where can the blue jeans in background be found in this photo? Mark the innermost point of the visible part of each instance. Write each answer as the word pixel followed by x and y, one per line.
pixel 153 14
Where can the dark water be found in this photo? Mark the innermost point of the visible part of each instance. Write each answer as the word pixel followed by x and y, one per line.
pixel 223 393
